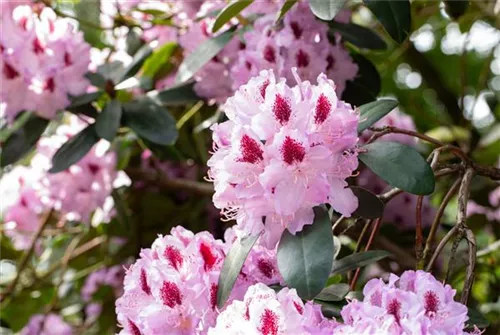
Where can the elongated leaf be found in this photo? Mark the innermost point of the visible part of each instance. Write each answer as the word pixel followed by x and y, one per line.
pixel 232 267
pixel 108 121
pixel 22 140
pixel 96 79
pixel 177 95
pixel 150 121
pixel 84 99
pixel 305 259
pixel 74 149
pixel 374 111
pixel 203 54
pixel 395 16
pixel 366 86
pixel 369 205
pixel 477 319
pixel 358 35
pixel 140 56
pixel 335 292
pixel 400 166
pixel 357 260
pixel 285 8
pixel 330 309
pixel 230 11
pixel 89 11
pixel 326 9
pixel 158 59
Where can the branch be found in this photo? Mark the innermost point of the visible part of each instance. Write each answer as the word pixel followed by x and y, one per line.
pixel 419 236
pixel 24 261
pixel 196 187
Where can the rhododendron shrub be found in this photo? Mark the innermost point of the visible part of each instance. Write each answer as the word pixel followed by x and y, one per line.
pixel 201 167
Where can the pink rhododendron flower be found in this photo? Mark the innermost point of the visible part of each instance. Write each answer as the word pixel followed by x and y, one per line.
pixel 43 61
pixel 50 324
pixel 172 288
pixel 111 277
pixel 265 312
pixel 283 151
pixel 415 303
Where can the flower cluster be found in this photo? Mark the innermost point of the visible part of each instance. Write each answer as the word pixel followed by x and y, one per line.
pixel 396 211
pixel 43 60
pixel 76 192
pixel 109 277
pixel 283 151
pixel 302 43
pixel 172 288
pixel 415 303
pixel 50 324
pixel 265 312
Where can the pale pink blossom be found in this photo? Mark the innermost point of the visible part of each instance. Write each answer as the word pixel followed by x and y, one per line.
pixel 50 324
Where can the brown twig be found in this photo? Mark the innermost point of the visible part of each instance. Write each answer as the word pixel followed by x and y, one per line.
pixel 24 261
pixel 436 221
pixel 376 226
pixel 197 187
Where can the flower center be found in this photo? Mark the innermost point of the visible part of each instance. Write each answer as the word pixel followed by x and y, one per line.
pixel 173 256
pixel 282 109
pixel 292 151
pixel 270 54
pixel 266 267
pixel 269 323
pixel 323 108
pixel 170 294
pixel 144 283
pixel 302 58
pixel 208 257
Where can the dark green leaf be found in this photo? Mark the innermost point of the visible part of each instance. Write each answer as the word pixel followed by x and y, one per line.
pixel 400 166
pixel 335 292
pixel 374 111
pixel 90 11
pixel 150 121
pixel 140 56
pixel 108 121
pixel 178 95
pixel 369 205
pixel 158 59
pixel 477 319
pixel 330 310
pixel 22 140
pixel 232 265
pixel 231 10
pixel 134 42
pixel 366 86
pixel 112 71
pixel 305 259
pixel 88 110
pixel 395 16
pixel 121 209
pixel 203 54
pixel 84 99
pixel 74 149
pixel 326 9
pixel 285 8
pixel 357 260
pixel 358 35
pixel 96 79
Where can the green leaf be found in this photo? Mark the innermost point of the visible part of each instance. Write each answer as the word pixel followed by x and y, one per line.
pixel 374 111
pixel 285 8
pixel 112 71
pixel 133 42
pixel 330 310
pixel 400 166
pixel 326 9
pixel 456 8
pixel 335 292
pixel 177 95
pixel 231 10
pixel 359 36
pixel 395 16
pixel 232 265
pixel 90 11
pixel 203 54
pixel 369 205
pixel 357 260
pixel 151 121
pixel 140 56
pixel 158 59
pixel 108 121
pixel 84 99
pixel 74 149
pixel 96 79
pixel 366 86
pixel 477 319
pixel 305 259
pixel 22 140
